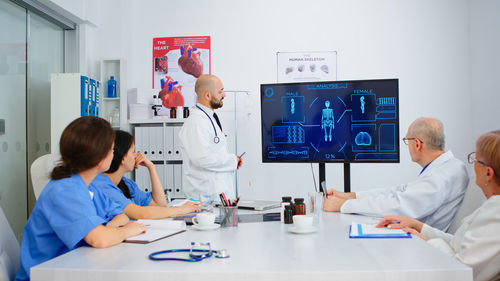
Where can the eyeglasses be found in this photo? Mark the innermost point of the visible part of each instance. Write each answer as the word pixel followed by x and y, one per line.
pixel 405 140
pixel 471 158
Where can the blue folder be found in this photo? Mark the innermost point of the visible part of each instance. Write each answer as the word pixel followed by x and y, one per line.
pixel 361 235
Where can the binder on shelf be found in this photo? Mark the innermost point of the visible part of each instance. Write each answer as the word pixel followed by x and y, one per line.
pixel 169 179
pixel 176 143
pixel 142 179
pixel 178 193
pixel 169 143
pixel 160 170
pixel 146 141
pixel 138 139
pixel 156 141
pixel 361 230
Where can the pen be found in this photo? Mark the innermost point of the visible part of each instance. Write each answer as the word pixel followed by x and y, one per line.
pixel 225 199
pixel 243 154
pixel 223 202
pixel 237 200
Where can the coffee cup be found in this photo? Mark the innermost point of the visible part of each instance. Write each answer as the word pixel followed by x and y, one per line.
pixel 302 221
pixel 204 219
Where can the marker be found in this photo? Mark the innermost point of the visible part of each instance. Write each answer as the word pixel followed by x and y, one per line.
pixel 243 154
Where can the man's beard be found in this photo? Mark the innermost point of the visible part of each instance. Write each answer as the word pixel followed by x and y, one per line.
pixel 216 104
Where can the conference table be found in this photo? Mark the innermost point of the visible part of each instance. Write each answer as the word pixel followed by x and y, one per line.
pixel 264 251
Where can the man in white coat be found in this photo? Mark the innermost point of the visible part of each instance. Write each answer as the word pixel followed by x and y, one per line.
pixel 208 168
pixel 433 198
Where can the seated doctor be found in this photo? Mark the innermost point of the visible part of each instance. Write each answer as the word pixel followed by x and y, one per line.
pixel 434 197
pixel 70 212
pixel 476 242
pixel 136 203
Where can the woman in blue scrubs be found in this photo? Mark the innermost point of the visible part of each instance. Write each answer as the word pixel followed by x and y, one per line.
pixel 136 203
pixel 70 212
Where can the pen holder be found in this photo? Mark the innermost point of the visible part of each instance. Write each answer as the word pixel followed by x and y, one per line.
pixel 228 216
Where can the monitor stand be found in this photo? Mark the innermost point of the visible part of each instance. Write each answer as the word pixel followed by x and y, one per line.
pixel 347 176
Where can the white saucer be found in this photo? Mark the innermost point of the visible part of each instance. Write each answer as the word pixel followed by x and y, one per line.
pixel 296 230
pixel 208 227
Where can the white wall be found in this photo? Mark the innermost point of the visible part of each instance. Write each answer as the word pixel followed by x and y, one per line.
pixel 485 66
pixel 423 43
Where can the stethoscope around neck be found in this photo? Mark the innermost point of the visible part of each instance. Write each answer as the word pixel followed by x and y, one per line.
pixel 216 138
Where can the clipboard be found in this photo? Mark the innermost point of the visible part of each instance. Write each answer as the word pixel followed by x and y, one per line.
pixel 359 230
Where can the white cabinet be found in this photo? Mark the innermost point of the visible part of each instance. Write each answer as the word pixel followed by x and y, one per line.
pixel 158 140
pixel 71 95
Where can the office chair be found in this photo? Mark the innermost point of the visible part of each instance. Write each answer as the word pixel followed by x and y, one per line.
pixel 40 171
pixel 9 250
pixel 473 199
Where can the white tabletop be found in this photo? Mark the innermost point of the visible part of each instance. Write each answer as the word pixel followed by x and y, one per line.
pixel 264 251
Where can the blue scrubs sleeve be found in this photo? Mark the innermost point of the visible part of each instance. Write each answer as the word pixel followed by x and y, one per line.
pixel 106 186
pixel 105 206
pixel 71 216
pixel 139 197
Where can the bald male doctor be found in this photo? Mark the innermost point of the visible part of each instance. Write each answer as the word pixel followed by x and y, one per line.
pixel 208 168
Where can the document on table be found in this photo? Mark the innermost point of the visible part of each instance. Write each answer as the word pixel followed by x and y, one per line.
pixel 157 229
pixel 361 230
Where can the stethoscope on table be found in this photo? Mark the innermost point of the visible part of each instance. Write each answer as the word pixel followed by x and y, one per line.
pixel 195 254
pixel 216 138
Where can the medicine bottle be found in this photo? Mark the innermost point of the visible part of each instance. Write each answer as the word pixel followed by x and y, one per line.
pixel 112 87
pixel 285 201
pixel 288 215
pixel 299 208
pixel 173 112
pixel 185 113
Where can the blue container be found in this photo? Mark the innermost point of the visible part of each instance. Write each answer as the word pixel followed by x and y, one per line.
pixel 112 87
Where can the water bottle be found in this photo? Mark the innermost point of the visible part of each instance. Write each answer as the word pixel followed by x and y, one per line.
pixel 114 117
pixel 112 87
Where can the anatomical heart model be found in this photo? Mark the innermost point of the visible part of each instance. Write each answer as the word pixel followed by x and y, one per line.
pixel 190 61
pixel 171 95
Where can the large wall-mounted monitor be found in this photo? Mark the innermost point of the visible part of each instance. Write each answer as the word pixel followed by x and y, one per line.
pixel 338 121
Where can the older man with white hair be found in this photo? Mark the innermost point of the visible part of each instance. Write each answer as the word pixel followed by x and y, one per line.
pixel 433 198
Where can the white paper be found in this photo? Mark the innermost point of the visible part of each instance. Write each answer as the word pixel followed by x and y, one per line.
pixel 157 229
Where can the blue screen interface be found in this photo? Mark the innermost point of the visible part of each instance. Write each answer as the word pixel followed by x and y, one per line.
pixel 341 121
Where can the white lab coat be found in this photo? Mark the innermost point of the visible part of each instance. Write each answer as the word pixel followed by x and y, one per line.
pixel 433 198
pixel 207 167
pixel 476 242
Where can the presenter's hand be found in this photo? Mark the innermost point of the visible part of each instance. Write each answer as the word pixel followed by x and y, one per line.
pixel 142 160
pixel 340 194
pixel 189 207
pixel 397 222
pixel 240 162
pixel 333 204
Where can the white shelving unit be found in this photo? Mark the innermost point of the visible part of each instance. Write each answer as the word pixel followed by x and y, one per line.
pixel 116 68
pixel 157 139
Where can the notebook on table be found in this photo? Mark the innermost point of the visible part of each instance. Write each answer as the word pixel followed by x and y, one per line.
pixel 258 205
pixel 156 230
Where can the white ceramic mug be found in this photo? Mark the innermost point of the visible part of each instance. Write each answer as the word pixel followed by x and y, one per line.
pixel 204 219
pixel 302 221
